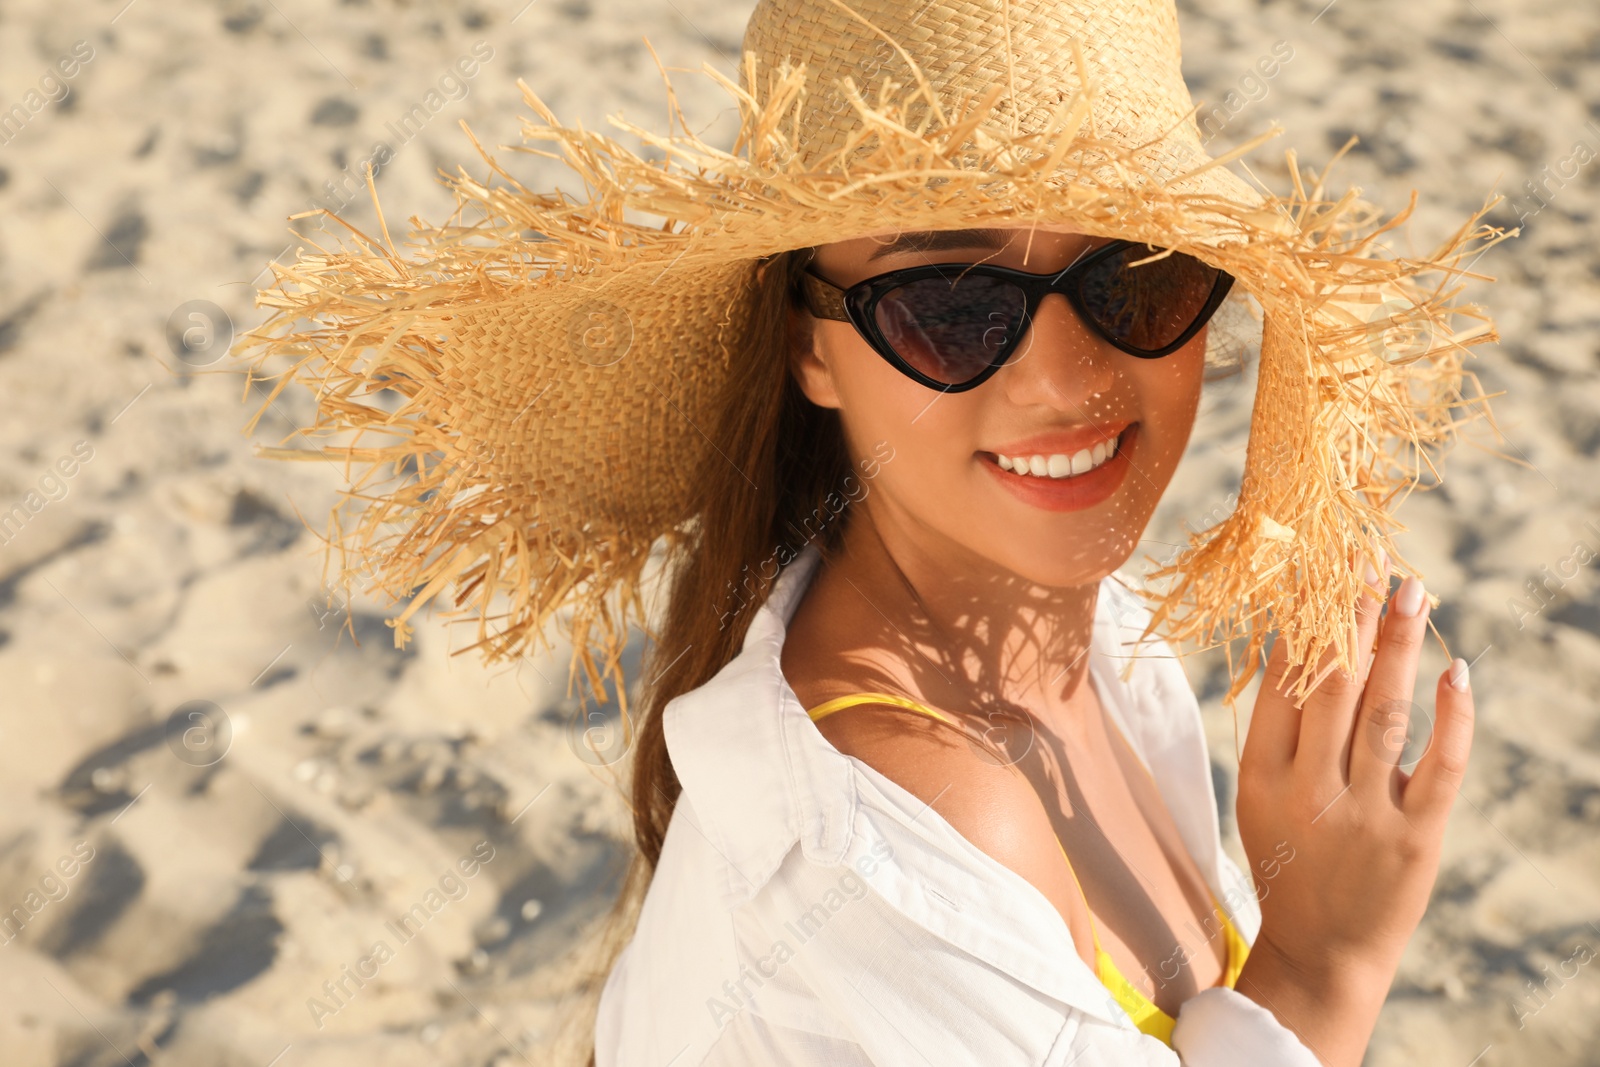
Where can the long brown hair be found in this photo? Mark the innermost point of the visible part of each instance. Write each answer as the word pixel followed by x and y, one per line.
pixel 777 458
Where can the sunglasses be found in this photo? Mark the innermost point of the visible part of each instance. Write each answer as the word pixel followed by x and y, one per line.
pixel 951 326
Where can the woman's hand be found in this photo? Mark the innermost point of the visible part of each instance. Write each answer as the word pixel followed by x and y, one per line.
pixel 1325 781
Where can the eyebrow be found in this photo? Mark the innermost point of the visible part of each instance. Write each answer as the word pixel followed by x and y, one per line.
pixel 941 240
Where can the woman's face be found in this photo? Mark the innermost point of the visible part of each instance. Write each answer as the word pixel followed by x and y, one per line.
pixel 1064 392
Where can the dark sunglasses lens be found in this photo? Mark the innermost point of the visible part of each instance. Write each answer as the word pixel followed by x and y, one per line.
pixel 1147 306
pixel 951 329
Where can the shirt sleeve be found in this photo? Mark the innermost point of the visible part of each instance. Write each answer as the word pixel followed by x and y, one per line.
pixel 1215 1028
pixel 1223 1026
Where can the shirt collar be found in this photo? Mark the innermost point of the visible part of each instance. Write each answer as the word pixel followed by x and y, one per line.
pixel 757 773
pixel 1144 689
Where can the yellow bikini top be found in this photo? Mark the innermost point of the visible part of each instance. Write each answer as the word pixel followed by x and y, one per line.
pixel 1146 1016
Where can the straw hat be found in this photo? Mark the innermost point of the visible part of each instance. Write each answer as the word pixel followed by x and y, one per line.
pixel 521 401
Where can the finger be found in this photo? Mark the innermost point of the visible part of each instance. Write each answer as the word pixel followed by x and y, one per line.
pixel 1324 754
pixel 1386 702
pixel 1274 728
pixel 1428 795
pixel 1369 608
pixel 1331 711
pixel 1369 612
pixel 1283 738
pixel 1325 724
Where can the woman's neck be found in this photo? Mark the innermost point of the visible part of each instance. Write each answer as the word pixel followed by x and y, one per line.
pixel 970 636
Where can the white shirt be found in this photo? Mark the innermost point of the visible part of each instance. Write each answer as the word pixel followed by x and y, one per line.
pixel 807 910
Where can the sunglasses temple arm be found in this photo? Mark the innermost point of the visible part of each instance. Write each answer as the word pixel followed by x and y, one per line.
pixel 822 298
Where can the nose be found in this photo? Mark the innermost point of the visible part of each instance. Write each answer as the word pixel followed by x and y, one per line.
pixel 1061 362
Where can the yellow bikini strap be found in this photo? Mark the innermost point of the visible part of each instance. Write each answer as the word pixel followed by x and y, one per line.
pixel 1093 934
pixel 839 703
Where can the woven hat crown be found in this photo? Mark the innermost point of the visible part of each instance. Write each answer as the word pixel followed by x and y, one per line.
pixel 964 49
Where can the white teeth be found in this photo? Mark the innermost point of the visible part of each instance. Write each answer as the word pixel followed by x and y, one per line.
pixel 1059 465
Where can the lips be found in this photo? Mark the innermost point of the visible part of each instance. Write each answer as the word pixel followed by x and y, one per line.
pixel 1067 471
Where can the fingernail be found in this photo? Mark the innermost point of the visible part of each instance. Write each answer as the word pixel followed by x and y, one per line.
pixel 1408 601
pixel 1371 574
pixel 1458 675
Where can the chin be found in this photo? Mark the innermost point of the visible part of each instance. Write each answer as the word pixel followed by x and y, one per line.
pixel 1047 557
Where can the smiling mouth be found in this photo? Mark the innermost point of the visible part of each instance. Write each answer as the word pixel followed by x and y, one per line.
pixel 1060 465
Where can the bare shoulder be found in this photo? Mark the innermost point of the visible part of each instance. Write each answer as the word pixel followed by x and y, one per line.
pixel 991 804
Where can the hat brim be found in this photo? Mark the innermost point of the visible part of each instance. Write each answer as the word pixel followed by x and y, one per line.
pixel 558 363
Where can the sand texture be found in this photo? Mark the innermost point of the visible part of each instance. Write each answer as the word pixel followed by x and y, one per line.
pixel 214 808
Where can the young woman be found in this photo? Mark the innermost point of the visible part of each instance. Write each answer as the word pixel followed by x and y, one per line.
pixel 943 637
pixel 894 391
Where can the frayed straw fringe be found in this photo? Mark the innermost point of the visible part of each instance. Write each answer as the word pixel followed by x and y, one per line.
pixel 447 496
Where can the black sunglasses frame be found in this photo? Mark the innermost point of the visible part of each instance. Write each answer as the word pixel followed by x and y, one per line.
pixel 858 304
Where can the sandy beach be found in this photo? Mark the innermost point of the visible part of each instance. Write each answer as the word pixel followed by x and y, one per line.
pixel 232 835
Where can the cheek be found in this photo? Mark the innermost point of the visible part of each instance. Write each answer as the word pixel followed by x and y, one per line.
pixel 878 403
pixel 932 435
pixel 1169 395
